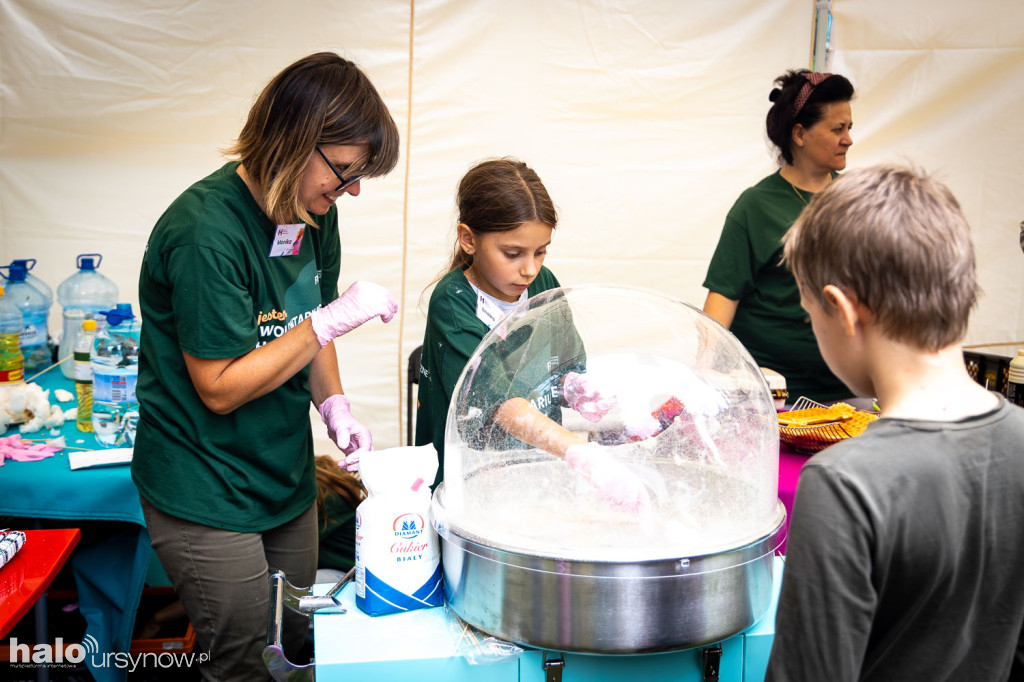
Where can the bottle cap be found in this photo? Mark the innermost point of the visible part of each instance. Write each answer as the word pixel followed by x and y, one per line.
pixel 89 325
pixel 85 261
pixel 16 272
pixel 122 312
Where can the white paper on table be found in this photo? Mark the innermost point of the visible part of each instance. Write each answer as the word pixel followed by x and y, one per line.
pixel 82 459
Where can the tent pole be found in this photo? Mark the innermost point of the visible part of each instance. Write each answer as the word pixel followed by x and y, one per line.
pixel 822 33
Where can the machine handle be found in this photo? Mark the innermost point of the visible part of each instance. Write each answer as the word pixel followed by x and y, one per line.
pixel 282 594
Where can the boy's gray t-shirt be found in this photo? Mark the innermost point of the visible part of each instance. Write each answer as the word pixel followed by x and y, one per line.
pixel 906 555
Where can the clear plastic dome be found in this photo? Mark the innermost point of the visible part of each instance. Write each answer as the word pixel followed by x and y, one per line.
pixel 691 416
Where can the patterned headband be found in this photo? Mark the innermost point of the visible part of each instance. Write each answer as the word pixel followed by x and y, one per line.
pixel 813 81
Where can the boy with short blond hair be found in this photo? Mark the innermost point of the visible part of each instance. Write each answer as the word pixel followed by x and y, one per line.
pixel 905 554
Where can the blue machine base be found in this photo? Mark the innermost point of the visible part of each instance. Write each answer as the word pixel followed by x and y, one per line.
pixel 423 645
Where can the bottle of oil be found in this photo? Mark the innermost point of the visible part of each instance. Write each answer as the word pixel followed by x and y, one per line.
pixel 83 375
pixel 12 362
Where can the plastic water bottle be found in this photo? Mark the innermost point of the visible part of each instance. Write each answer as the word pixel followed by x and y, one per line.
pixel 115 371
pixel 45 289
pixel 12 363
pixel 35 311
pixel 84 295
pixel 28 264
pixel 83 375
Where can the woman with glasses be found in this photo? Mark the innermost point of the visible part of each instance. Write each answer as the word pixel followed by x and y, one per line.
pixel 238 291
pixel 750 291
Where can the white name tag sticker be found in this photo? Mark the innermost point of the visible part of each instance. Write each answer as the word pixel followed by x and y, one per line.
pixel 287 240
pixel 487 311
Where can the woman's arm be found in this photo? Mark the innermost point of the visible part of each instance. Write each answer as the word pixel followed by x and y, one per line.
pixel 324 376
pixel 225 384
pixel 721 308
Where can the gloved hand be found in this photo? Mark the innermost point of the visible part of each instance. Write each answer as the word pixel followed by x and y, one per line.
pixel 641 427
pixel 615 482
pixel 349 435
pixel 360 303
pixel 583 396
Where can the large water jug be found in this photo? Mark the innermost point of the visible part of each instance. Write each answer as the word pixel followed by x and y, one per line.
pixel 35 312
pixel 87 294
pixel 115 372
pixel 12 362
pixel 28 264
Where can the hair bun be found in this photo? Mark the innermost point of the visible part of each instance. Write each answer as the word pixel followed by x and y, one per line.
pixel 774 94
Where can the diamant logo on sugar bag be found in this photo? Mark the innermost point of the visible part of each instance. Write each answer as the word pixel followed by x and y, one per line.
pixel 398 565
pixel 408 525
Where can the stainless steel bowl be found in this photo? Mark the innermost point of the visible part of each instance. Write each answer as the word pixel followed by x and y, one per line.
pixel 608 607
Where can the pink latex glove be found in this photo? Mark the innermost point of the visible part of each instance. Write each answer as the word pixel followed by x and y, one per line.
pixel 614 481
pixel 360 303
pixel 583 396
pixel 13 447
pixel 349 435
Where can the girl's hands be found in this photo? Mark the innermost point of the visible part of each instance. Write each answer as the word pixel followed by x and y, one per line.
pixel 614 481
pixel 583 396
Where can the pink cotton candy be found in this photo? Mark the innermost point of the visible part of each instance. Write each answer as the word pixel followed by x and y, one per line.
pixel 582 395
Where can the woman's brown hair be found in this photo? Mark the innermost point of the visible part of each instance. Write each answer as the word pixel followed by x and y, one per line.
pixel 787 110
pixel 322 99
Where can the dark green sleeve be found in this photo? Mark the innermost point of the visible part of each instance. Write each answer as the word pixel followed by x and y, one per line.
pixel 732 270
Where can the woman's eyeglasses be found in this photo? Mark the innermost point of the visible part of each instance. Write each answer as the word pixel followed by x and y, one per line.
pixel 345 182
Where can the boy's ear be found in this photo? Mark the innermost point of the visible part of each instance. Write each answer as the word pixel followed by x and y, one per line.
pixel 849 309
pixel 467 240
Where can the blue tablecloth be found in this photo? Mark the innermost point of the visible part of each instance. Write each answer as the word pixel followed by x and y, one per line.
pixel 110 574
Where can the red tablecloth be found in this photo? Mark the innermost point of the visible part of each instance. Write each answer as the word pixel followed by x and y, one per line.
pixel 25 578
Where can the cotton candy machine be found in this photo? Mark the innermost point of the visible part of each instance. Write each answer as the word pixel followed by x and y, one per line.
pixel 533 552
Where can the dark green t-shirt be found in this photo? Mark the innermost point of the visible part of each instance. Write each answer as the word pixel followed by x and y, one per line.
pixel 452 335
pixel 769 321
pixel 208 288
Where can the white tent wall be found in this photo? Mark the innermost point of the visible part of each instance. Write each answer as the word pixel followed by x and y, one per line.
pixel 644 119
pixel 942 84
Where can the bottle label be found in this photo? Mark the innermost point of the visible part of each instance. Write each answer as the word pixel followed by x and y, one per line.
pixel 34 330
pixel 83 369
pixel 1015 393
pixel 113 388
pixel 12 376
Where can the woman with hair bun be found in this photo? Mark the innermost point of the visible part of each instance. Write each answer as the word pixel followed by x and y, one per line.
pixel 750 291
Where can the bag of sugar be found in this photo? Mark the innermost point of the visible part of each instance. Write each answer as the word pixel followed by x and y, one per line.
pixel 398 564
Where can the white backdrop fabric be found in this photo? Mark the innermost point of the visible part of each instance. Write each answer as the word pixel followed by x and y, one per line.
pixel 644 119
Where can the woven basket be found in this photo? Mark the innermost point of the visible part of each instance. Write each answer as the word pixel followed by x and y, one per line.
pixel 828 425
